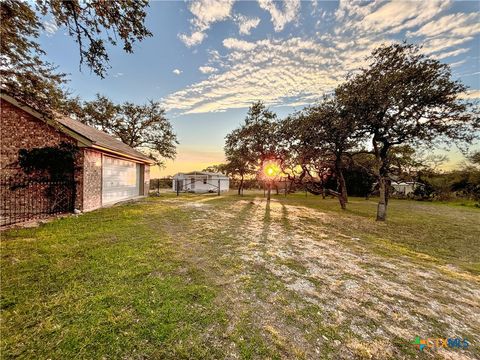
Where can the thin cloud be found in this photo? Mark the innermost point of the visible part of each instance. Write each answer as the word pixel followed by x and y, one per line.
pixel 278 16
pixel 50 27
pixel 246 24
pixel 471 95
pixel 207 69
pixel 236 44
pixel 454 24
pixel 387 17
pixel 452 53
pixel 193 39
pixel 177 71
pixel 205 13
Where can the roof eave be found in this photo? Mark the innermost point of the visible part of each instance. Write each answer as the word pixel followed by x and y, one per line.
pixel 122 154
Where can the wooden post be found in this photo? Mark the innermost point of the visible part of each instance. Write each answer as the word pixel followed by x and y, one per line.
pixel 218 187
pixel 177 186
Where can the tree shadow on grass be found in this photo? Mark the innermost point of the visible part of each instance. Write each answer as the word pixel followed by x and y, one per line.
pixel 267 220
pixel 285 221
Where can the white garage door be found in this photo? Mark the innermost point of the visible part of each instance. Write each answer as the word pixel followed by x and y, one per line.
pixel 121 179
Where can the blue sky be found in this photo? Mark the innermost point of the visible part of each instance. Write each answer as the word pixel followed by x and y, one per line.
pixel 208 60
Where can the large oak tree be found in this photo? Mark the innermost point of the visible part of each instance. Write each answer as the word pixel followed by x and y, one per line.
pixel 405 97
pixel 333 133
pixel 318 140
pixel 144 127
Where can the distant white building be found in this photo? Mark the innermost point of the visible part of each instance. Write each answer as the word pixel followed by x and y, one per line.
pixel 405 187
pixel 200 182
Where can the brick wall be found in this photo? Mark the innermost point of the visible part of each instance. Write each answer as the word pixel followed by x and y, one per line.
pixel 146 180
pixel 20 130
pixel 92 179
pixel 79 180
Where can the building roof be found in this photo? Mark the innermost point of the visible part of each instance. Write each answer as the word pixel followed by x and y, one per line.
pixel 404 183
pixel 86 135
pixel 202 173
pixel 101 139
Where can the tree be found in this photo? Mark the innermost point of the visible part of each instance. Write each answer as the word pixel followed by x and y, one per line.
pixel 358 178
pixel 238 157
pixel 93 25
pixel 405 97
pixel 140 126
pixel 474 158
pixel 254 142
pixel 96 23
pixel 317 140
pixel 302 156
pixel 25 75
pixel 333 134
pixel 217 168
pixel 100 113
pixel 294 150
pixel 258 134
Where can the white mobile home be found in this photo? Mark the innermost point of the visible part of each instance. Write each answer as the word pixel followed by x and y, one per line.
pixel 406 187
pixel 200 182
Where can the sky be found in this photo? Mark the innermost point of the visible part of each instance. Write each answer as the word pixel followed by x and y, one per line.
pixel 208 60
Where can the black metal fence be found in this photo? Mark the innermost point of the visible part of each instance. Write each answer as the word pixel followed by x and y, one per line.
pixel 24 200
pixel 158 185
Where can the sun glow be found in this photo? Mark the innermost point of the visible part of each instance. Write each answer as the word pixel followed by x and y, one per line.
pixel 271 170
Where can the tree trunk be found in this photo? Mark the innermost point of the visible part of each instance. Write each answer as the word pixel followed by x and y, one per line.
pixel 381 154
pixel 382 203
pixel 343 191
pixel 290 187
pixel 342 197
pixel 269 191
pixel 240 187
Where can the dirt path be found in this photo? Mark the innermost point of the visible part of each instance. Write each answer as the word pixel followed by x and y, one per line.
pixel 296 287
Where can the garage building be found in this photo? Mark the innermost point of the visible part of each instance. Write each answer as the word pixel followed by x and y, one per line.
pixel 106 170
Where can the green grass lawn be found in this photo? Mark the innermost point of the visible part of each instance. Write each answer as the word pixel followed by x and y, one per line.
pixel 201 276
